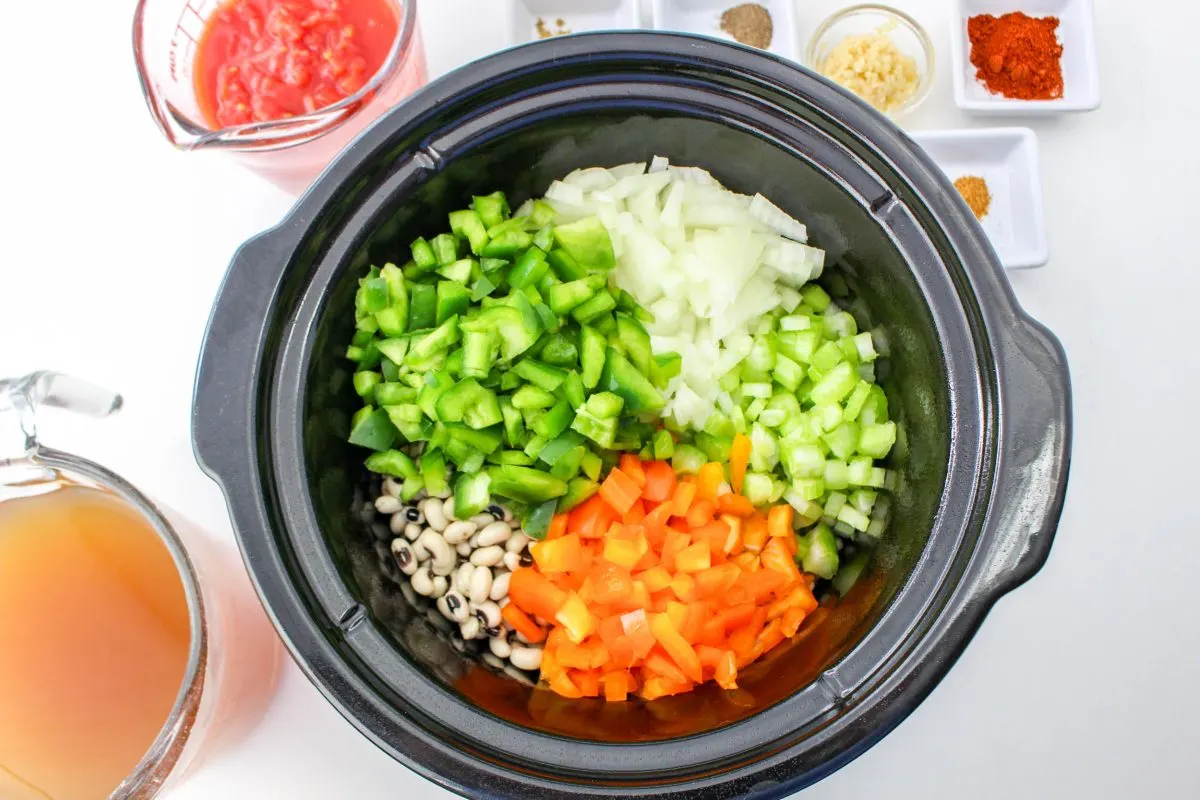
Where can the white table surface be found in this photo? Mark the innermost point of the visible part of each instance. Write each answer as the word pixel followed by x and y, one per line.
pixel 1080 684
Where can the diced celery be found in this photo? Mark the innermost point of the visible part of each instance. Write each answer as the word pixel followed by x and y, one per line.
pixel 815 297
pixel 687 459
pixel 758 487
pixel 876 440
pixel 787 373
pixel 837 474
pixel 809 488
pixel 764 450
pixel 836 384
pixel 821 555
pixel 834 504
pixel 854 518
pixel 803 460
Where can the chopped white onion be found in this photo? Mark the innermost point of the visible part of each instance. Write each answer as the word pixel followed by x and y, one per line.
pixel 708 263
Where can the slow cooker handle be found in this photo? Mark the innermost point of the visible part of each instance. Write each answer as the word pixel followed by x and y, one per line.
pixel 1034 455
pixel 222 424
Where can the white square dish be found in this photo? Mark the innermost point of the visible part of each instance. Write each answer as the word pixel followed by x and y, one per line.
pixel 704 17
pixel 570 16
pixel 1007 159
pixel 1076 34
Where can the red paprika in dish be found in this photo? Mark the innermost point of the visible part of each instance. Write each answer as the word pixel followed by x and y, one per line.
pixel 1017 56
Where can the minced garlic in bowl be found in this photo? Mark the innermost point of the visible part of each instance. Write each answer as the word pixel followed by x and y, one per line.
pixel 880 54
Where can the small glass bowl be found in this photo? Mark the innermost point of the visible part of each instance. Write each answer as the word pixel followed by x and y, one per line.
pixel 906 32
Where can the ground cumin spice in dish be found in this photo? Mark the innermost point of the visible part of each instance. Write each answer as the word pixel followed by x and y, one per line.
pixel 750 24
pixel 544 31
pixel 1017 56
pixel 975 191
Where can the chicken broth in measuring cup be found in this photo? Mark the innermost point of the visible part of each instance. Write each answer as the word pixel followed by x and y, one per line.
pixel 94 642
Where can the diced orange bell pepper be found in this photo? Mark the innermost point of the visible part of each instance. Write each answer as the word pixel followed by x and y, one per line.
pixel 636 513
pixel 739 459
pixel 609 629
pixel 534 594
pixel 587 680
pixel 726 671
pixel 660 663
pixel 770 636
pixel 714 535
pixel 561 685
pixel 676 646
pixel 685 495
pixel 676 612
pixel 622 552
pixel 701 512
pixel 521 622
pixel 775 556
pixel 754 534
pixel 655 523
pixel 591 518
pixel 792 620
pixel 574 656
pixel 735 504
pixel 737 616
pixel 550 665
pixel 694 558
pixel 733 540
pixel 699 613
pixel 779 521
pixel 747 561
pixel 609 582
pixel 617 685
pixel 558 527
pixel 741 641
pixel 576 619
pixel 657 687
pixel 620 491
pixel 715 581
pixel 640 597
pixel 709 479
pixel 649 559
pixel 564 554
pixel 660 481
pixel 674 542
pixel 631 465
pixel 655 578
pixel 684 587
pixel 621 652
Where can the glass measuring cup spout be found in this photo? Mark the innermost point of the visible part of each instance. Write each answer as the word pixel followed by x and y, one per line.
pixel 291 151
pixel 21 397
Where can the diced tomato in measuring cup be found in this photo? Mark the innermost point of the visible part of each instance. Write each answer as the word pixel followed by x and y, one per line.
pixel 262 60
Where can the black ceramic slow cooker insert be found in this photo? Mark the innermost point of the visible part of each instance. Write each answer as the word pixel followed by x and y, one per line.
pixel 980 392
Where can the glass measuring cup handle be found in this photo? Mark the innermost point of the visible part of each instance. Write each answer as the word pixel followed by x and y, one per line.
pixel 20 399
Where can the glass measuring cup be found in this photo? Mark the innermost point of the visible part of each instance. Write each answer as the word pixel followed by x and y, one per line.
pixel 288 152
pixel 232 655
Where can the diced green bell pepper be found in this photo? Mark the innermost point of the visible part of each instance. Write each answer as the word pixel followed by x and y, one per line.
pixel 452 299
pixel 373 429
pixel 392 462
pixel 592 353
pixel 578 490
pixel 540 375
pixel 491 208
pixel 622 378
pixel 422 308
pixel 468 225
pixel 529 268
pixel 525 484
pixel 588 242
pixel 365 383
pixel 471 494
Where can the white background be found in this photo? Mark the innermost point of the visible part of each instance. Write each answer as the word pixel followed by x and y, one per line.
pixel 1080 684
